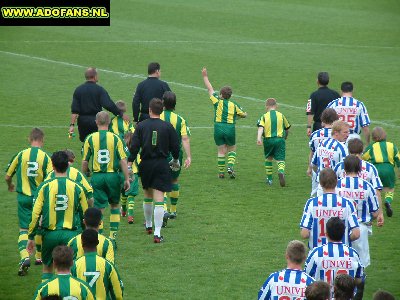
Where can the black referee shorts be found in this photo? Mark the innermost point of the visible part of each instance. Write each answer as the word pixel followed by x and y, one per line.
pixel 86 126
pixel 156 174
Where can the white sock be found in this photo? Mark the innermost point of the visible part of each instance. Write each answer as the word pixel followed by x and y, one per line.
pixel 148 213
pixel 158 219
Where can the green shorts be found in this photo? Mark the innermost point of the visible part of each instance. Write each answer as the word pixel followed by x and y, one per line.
pixel 52 239
pixel 134 189
pixel 25 207
pixel 175 174
pixel 224 134
pixel 106 189
pixel 386 174
pixel 275 147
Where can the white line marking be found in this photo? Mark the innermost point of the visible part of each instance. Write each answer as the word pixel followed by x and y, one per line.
pixel 268 43
pixel 141 76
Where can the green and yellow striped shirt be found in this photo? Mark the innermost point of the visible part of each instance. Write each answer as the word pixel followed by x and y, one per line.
pixel 177 121
pixel 119 126
pixel 382 152
pixel 105 248
pixel 61 202
pixel 31 167
pixel 274 124
pixel 101 276
pixel 76 175
pixel 106 150
pixel 225 110
pixel 66 286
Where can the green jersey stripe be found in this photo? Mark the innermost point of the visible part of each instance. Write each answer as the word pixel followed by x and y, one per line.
pixel 274 123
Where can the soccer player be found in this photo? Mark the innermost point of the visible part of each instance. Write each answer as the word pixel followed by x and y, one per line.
pixel 156 139
pixel 343 288
pixel 352 111
pixel 117 124
pixel 99 273
pixel 318 290
pixel 363 195
pixel 31 166
pixel 290 283
pixel 332 150
pixel 327 261
pixel 273 130
pixel 318 102
pixel 384 156
pixel 368 172
pixel 63 284
pixel 319 210
pixel 181 128
pixel 108 156
pixel 328 116
pixel 105 247
pixel 225 115
pixel 61 202
pixel 76 175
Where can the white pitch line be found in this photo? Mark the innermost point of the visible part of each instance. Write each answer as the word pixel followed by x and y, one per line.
pixel 141 76
pixel 270 43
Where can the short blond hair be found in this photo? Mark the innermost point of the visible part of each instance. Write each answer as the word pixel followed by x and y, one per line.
pixel 121 105
pixel 102 118
pixel 270 102
pixel 378 134
pixel 296 251
pixel 339 125
pixel 36 135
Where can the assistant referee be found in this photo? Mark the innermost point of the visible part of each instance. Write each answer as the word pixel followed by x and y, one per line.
pixel 90 98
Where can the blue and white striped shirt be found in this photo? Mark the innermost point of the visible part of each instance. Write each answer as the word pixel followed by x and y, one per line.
pixel 319 210
pixel 368 172
pixel 288 283
pixel 318 136
pixel 327 261
pixel 362 194
pixel 351 111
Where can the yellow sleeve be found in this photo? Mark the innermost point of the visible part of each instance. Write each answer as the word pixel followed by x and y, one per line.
pixel 239 111
pixel 117 284
pixel 214 99
pixel 36 213
pixel 83 201
pixel 120 149
pixel 367 155
pixel 261 122
pixel 49 168
pixel 184 128
pixel 12 166
pixel 286 123
pixel 110 252
pixel 86 150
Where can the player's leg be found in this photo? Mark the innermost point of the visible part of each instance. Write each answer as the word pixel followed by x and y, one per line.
pixel 133 191
pixel 166 213
pixel 174 196
pixel 361 245
pixel 38 243
pixel 100 196
pixel 230 140
pixel 268 150
pixel 24 218
pixel 49 243
pixel 220 142
pixel 124 198
pixel 388 178
pixel 280 156
pixel 114 195
pixel 158 197
pixel 389 194
pixel 148 209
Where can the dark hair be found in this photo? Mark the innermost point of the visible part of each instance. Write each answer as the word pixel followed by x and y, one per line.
pixel 36 135
pixel 169 100
pixel 90 238
pixel 226 92
pixel 318 290
pixel 156 106
pixel 63 257
pixel 344 287
pixel 335 229
pixel 383 295
pixel 327 178
pixel 60 161
pixel 52 297
pixel 352 164
pixel 92 217
pixel 346 87
pixel 355 146
pixel 329 115
pixel 323 78
pixel 153 67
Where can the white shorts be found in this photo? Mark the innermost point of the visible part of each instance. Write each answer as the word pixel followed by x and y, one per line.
pixel 362 246
pixel 320 191
pixel 314 184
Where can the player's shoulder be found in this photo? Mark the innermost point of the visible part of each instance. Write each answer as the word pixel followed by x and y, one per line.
pixel 334 102
pixel 73 240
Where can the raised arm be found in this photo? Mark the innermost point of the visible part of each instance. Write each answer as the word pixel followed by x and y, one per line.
pixel 207 82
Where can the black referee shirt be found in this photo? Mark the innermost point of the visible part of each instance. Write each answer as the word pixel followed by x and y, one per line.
pixel 150 88
pixel 320 100
pixel 89 98
pixel 156 138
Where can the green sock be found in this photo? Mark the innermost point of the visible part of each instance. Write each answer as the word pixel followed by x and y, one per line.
pixel 221 164
pixel 123 203
pixel 268 169
pixel 115 218
pixel 174 197
pixel 231 159
pixel 281 166
pixel 22 242
pixel 389 197
pixel 131 204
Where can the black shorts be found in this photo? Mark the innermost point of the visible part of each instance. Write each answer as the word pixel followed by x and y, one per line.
pixel 156 174
pixel 86 126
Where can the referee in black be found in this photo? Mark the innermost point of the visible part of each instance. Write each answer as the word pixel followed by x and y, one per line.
pixel 156 139
pixel 90 98
pixel 151 87
pixel 318 101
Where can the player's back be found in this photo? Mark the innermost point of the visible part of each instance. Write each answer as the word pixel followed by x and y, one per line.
pixel 226 110
pixel 319 210
pixel 65 286
pixel 119 126
pixel 382 152
pixel 100 274
pixel 318 136
pixel 329 153
pixel 106 150
pixel 327 261
pixel 351 111
pixel 178 122
pixel 274 123
pixel 368 172
pixel 285 284
pixel 361 193
pixel 105 248
pixel 31 166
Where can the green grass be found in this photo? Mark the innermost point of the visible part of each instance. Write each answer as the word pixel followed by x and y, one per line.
pixel 229 235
